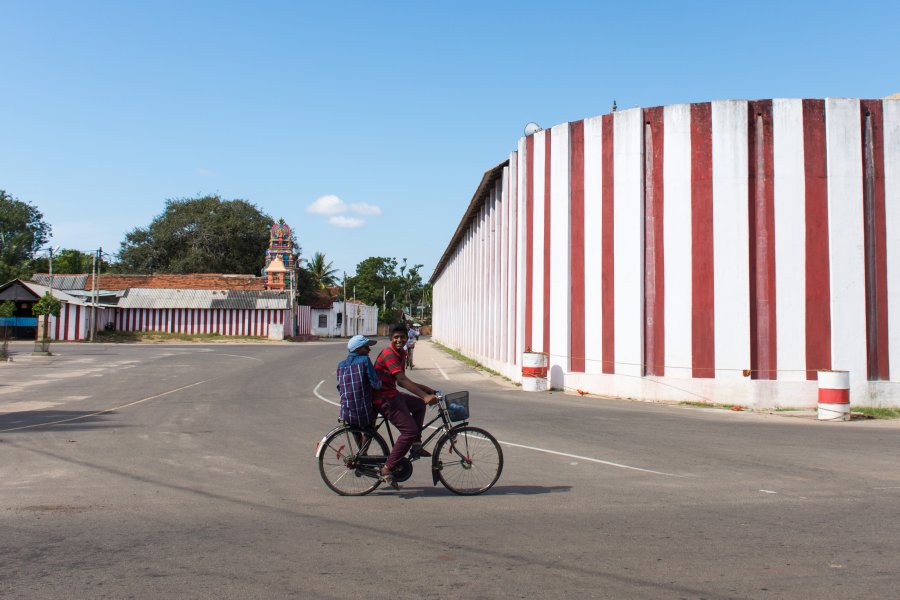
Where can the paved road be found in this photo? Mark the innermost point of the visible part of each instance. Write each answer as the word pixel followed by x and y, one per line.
pixel 167 471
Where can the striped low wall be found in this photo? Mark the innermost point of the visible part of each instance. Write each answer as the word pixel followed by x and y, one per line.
pixel 72 324
pixel 721 251
pixel 304 320
pixel 223 321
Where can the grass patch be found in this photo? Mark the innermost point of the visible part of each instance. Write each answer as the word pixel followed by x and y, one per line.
pixel 877 413
pixel 709 405
pixel 133 337
pixel 469 361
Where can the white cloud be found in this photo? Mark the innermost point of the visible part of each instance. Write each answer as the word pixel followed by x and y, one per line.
pixel 341 221
pixel 327 205
pixel 205 172
pixel 365 209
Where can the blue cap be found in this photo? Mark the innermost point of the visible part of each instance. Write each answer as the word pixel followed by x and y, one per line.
pixel 358 341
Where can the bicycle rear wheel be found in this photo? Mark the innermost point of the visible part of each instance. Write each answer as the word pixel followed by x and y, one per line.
pixel 350 459
pixel 468 460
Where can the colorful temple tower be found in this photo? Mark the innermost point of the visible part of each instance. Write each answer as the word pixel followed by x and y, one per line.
pixel 279 269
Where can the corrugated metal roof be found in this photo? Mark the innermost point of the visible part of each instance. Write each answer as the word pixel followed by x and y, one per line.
pixel 478 199
pixel 61 282
pixel 235 299
pixel 39 290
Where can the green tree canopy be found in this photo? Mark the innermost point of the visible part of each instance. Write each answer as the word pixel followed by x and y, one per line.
pixel 22 233
pixel 393 286
pixel 199 235
pixel 322 271
pixel 67 262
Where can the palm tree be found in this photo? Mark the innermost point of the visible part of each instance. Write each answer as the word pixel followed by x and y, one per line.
pixel 323 272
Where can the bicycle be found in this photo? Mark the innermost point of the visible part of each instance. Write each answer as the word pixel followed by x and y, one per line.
pixel 466 460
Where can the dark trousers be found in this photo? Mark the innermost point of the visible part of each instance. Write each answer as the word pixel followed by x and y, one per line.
pixel 407 413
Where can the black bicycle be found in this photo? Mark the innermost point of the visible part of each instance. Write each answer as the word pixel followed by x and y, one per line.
pixel 467 460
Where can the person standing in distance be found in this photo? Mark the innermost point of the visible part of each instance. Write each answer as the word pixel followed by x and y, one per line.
pixel 406 412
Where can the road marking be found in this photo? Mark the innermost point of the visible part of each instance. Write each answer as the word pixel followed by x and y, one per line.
pixel 768 492
pixel 239 356
pixel 101 412
pixel 441 370
pixel 321 397
pixel 594 460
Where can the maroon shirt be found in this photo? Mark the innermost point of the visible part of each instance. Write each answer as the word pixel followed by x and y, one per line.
pixel 388 364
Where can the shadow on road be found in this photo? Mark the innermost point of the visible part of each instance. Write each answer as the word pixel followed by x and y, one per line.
pixel 500 490
pixel 56 420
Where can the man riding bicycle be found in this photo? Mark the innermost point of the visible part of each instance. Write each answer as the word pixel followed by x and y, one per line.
pixel 404 411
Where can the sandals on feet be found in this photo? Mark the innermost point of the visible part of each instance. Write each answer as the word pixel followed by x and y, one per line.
pixel 388 478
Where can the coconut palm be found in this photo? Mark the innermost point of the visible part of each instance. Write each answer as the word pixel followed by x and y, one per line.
pixel 322 272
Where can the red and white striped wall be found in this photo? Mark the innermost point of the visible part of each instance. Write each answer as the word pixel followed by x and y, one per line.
pixel 223 321
pixel 722 251
pixel 71 325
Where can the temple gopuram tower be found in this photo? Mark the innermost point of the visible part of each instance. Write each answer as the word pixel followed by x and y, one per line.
pixel 280 260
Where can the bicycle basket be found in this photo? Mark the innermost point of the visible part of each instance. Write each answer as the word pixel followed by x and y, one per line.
pixel 458 405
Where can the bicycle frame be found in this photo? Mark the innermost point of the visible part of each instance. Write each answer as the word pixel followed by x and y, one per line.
pixel 371 465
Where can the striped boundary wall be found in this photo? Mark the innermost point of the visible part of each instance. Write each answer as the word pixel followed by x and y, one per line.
pixel 223 321
pixel 722 251
pixel 73 322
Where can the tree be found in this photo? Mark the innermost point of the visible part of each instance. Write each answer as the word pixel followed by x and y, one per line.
pixel 199 235
pixel 393 286
pixel 322 272
pixel 22 233
pixel 306 287
pixel 7 310
pixel 46 306
pixel 67 262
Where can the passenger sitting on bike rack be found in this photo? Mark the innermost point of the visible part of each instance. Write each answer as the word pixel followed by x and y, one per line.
pixel 404 411
pixel 356 378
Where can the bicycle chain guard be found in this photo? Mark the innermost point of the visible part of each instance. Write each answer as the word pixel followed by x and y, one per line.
pixel 403 470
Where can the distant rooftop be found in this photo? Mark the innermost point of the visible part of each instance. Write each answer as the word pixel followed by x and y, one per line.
pixel 192 281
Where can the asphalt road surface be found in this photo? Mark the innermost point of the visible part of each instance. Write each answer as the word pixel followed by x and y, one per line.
pixel 187 471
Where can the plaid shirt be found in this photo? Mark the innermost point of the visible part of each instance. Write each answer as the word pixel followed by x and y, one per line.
pixel 388 364
pixel 356 378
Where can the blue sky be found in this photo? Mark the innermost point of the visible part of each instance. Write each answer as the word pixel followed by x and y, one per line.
pixel 381 115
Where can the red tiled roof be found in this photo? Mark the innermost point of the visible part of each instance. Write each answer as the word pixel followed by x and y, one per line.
pixel 192 281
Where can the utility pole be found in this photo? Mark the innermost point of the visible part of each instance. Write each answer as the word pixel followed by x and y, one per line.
pixel 94 294
pixel 51 270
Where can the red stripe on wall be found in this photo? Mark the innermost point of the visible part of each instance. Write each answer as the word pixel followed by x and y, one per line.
pixel 654 271
pixel 547 201
pixel 607 232
pixel 818 278
pixel 576 233
pixel 66 328
pixel 761 204
pixel 872 121
pixel 77 323
pixel 529 237
pixel 703 342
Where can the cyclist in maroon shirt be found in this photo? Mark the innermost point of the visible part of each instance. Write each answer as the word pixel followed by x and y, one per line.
pixel 404 411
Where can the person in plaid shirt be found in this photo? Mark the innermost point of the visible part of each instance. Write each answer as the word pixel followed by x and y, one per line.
pixel 356 378
pixel 404 411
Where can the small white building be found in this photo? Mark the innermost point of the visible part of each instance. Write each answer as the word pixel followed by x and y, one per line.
pixel 328 319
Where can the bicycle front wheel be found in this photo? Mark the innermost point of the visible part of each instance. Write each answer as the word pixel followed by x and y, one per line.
pixel 468 460
pixel 350 459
